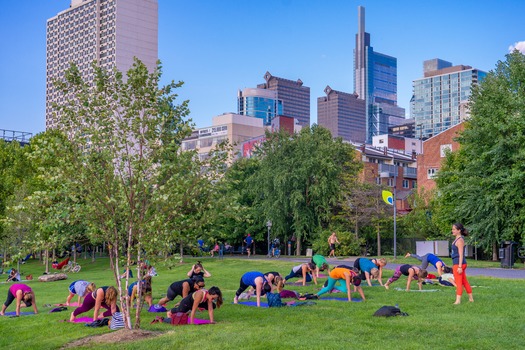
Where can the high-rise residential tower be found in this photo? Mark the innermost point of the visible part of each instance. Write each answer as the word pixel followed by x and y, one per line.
pixel 259 103
pixel 375 81
pixel 294 96
pixel 343 114
pixel 440 98
pixel 111 32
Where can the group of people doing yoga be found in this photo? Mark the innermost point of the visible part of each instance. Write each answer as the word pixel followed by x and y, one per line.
pixel 195 297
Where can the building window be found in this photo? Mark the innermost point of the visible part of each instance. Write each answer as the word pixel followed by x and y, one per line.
pixel 391 182
pixel 405 183
pixel 378 180
pixel 431 173
pixel 443 149
pixel 414 184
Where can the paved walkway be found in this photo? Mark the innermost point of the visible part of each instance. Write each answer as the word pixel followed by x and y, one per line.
pixel 471 271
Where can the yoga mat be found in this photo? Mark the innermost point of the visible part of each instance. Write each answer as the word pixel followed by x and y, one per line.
pixel 83 320
pixel 199 321
pixel 298 283
pixel 70 304
pixel 252 303
pixel 416 290
pixel 355 300
pixel 13 313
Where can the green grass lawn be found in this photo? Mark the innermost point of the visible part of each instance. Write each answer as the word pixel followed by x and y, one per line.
pixel 494 321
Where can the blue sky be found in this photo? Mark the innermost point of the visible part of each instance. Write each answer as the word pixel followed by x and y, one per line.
pixel 218 47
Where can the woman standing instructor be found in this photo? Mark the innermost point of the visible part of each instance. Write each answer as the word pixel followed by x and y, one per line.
pixel 459 263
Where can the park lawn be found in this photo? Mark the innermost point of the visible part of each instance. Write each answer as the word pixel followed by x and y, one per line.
pixel 494 321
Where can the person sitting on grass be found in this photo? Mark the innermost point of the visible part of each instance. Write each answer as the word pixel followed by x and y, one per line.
pixel 22 293
pixel 201 299
pixel 346 278
pixel 14 276
pixel 198 270
pixel 105 297
pixel 254 279
pixel 182 288
pixel 412 272
pixel 146 291
pixel 305 271
pixel 80 288
pixel 431 259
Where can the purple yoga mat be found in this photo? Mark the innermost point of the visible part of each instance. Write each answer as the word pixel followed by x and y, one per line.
pixel 253 303
pixel 13 313
pixel 356 300
pixel 83 320
pixel 70 304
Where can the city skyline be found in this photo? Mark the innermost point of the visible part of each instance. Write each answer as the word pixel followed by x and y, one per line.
pixel 217 48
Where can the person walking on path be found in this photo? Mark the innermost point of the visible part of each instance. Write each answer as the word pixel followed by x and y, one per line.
pixel 332 240
pixel 249 242
pixel 459 263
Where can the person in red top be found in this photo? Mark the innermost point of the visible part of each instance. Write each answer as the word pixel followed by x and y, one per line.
pixel 22 293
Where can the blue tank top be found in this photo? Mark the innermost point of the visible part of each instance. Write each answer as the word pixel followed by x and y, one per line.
pixel 455 253
pixel 249 278
pixel 431 258
pixel 366 265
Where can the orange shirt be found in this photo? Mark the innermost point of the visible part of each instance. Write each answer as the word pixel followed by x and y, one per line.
pixel 338 273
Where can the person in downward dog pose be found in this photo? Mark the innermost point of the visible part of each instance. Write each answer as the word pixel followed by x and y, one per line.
pixel 412 272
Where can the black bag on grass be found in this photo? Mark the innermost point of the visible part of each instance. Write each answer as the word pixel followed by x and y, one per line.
pixel 388 311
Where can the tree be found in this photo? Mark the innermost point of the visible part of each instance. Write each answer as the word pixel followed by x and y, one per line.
pixel 299 180
pixel 481 185
pixel 127 128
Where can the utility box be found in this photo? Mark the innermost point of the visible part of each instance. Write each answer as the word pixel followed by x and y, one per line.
pixel 507 253
pixel 309 252
pixel 438 248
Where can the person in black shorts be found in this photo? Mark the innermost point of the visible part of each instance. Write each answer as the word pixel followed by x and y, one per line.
pixel 182 288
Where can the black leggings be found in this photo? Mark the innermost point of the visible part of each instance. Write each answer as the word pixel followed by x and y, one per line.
pixel 242 288
pixel 10 298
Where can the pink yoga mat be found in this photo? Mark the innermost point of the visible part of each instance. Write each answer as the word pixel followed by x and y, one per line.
pixel 199 321
pixel 83 320
pixel 70 304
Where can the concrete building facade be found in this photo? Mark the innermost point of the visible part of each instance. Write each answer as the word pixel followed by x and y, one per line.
pixel 111 32
pixel 343 114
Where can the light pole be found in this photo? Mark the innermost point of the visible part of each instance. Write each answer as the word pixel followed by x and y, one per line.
pixel 269 225
pixel 395 208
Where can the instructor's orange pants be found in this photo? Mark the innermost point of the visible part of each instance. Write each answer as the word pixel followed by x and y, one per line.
pixel 461 279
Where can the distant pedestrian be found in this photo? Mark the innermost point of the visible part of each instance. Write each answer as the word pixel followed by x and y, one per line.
pixel 459 262
pixel 332 240
pixel 249 242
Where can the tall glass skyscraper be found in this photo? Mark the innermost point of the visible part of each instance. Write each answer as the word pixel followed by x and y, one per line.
pixel 440 98
pixel 375 81
pixel 259 103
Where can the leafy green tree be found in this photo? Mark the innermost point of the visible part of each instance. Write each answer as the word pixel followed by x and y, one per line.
pixel 481 185
pixel 299 181
pixel 419 221
pixel 127 128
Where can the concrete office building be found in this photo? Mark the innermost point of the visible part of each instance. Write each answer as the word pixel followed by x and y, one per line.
pixel 259 103
pixel 375 81
pixel 230 127
pixel 294 95
pixel 111 32
pixel 440 98
pixel 343 114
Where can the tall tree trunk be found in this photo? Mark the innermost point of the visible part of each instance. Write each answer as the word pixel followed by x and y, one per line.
pixel 181 250
pixel 494 251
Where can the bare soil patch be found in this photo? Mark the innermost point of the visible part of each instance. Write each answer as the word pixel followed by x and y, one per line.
pixel 123 335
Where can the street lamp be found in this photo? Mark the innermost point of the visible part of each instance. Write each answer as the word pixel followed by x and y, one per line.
pixel 269 225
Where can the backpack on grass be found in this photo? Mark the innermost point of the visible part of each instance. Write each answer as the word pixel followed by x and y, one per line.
pixel 388 311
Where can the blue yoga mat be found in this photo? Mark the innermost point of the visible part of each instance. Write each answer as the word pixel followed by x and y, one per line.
pixel 253 303
pixel 13 313
pixel 356 300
